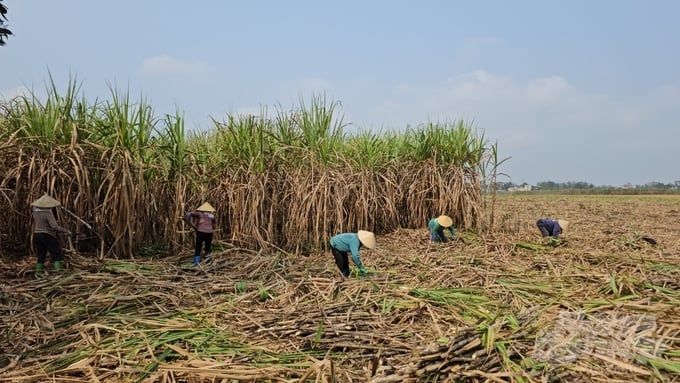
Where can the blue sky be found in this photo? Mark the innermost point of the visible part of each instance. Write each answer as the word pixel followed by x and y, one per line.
pixel 571 90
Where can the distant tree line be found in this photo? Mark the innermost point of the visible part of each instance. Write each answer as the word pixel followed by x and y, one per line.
pixel 551 185
pixel 585 186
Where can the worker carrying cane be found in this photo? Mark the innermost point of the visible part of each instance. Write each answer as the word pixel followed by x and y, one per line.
pixel 45 229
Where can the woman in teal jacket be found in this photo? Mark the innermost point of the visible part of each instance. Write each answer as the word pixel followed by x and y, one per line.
pixel 438 225
pixel 350 243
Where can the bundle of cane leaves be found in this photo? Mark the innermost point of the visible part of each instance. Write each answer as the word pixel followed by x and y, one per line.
pixel 556 241
pixel 472 303
pixel 121 266
pixel 531 246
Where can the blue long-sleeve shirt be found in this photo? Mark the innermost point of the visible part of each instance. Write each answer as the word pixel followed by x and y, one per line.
pixel 348 243
pixel 437 231
pixel 549 227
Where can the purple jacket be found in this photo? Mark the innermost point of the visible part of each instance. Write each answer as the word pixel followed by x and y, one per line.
pixel 549 227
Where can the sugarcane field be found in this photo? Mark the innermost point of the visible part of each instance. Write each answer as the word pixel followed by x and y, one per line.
pixel 490 299
pixel 339 192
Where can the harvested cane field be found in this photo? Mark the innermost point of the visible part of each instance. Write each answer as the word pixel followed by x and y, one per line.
pixel 601 305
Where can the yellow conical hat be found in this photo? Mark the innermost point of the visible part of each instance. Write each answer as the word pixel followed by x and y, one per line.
pixel 206 207
pixel 46 202
pixel 367 238
pixel 445 221
pixel 564 224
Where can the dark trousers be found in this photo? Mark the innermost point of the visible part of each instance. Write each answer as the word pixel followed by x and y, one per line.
pixel 439 237
pixel 43 242
pixel 203 238
pixel 342 260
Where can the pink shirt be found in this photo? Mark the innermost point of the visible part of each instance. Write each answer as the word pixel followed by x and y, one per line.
pixel 206 221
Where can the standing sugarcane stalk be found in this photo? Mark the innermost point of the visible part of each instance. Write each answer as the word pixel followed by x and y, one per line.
pixel 89 227
pixel 72 214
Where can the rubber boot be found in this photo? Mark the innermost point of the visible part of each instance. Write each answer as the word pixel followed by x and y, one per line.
pixel 39 269
pixel 59 265
pixel 197 260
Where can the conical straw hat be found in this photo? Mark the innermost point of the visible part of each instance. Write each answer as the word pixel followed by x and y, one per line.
pixel 564 224
pixel 206 207
pixel 46 202
pixel 445 221
pixel 367 238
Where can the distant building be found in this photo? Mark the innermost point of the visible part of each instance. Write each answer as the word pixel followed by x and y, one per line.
pixel 522 188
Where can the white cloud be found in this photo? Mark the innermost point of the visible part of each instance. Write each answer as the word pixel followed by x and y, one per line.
pixel 168 66
pixel 14 92
pixel 474 87
pixel 554 129
pixel 548 89
pixel 540 104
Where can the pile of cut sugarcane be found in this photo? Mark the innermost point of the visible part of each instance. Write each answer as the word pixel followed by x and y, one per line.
pixel 478 309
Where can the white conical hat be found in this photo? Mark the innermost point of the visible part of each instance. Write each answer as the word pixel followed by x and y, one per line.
pixel 367 238
pixel 206 207
pixel 46 202
pixel 564 224
pixel 445 221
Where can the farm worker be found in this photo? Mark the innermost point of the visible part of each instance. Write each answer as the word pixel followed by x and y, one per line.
pixel 438 225
pixel 45 230
pixel 204 229
pixel 350 243
pixel 551 227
